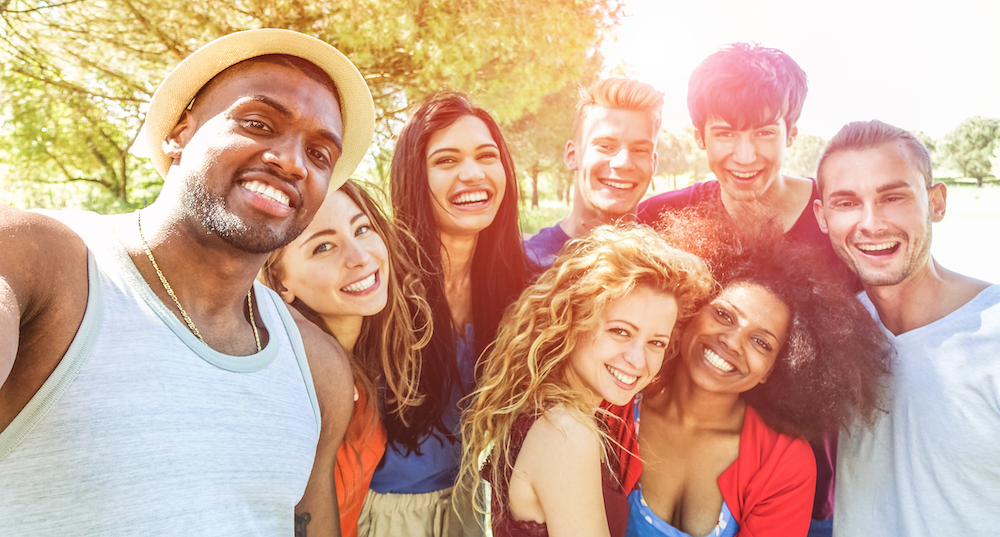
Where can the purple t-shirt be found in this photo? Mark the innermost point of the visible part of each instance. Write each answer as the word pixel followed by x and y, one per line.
pixel 545 245
pixel 806 231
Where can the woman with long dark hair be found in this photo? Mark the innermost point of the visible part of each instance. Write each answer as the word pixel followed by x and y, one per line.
pixel 453 186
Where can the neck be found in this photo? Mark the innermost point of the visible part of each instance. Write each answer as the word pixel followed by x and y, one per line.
pixel 345 328
pixel 583 217
pixel 456 261
pixel 925 296
pixel 202 269
pixel 786 198
pixel 209 278
pixel 456 255
pixel 695 407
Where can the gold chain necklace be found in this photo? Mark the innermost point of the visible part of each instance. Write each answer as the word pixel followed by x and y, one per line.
pixel 170 291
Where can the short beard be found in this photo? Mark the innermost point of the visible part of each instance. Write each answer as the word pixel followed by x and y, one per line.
pixel 212 214
pixel 921 253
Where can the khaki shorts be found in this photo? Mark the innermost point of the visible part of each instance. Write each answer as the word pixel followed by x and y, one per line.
pixel 418 515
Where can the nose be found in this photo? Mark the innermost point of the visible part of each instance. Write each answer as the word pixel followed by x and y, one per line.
pixel 355 254
pixel 289 155
pixel 470 171
pixel 871 220
pixel 622 160
pixel 731 339
pixel 635 355
pixel 744 152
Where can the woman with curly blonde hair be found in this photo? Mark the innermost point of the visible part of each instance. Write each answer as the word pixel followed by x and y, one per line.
pixel 596 326
pixel 349 273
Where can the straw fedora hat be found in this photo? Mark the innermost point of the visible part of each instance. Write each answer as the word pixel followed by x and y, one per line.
pixel 178 89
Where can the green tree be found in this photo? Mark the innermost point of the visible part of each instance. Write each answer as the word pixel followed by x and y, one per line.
pixel 671 157
pixel 696 158
pixel 970 146
pixel 801 159
pixel 82 71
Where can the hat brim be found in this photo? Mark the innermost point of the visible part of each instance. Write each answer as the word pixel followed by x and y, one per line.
pixel 177 90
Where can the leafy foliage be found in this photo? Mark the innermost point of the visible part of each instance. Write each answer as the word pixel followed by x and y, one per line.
pixel 970 146
pixel 801 159
pixel 78 73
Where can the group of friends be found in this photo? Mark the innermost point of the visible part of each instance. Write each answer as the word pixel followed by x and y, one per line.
pixel 266 350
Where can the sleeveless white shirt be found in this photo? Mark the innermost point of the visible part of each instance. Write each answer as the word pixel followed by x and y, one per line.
pixel 144 430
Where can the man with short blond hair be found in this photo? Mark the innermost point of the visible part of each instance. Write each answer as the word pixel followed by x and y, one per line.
pixel 612 156
pixel 929 465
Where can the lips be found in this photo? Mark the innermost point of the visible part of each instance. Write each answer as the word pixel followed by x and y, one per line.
pixel 744 176
pixel 879 249
pixel 267 191
pixel 622 377
pixel 618 185
pixel 471 198
pixel 717 361
pixel 362 285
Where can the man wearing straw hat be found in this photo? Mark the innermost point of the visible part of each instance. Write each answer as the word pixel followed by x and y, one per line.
pixel 147 384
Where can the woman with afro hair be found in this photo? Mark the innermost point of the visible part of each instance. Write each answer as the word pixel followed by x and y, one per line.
pixel 780 355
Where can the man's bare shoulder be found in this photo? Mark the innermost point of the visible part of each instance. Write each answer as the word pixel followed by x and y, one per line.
pixel 40 258
pixel 43 296
pixel 331 372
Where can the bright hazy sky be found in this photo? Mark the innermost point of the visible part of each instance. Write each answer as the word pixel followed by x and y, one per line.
pixel 917 64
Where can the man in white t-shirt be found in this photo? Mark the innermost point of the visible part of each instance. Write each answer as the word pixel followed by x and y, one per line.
pixel 929 465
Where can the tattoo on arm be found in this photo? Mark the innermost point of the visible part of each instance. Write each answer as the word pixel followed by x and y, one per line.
pixel 300 524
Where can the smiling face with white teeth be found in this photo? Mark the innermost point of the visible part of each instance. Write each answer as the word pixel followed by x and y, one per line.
pixel 254 154
pixel 733 342
pixel 613 162
pixel 339 266
pixel 746 162
pixel 878 211
pixel 622 355
pixel 466 177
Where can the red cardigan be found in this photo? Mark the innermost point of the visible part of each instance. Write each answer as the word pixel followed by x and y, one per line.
pixel 769 488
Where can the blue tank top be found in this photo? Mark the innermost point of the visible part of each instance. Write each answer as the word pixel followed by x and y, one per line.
pixel 437 465
pixel 643 522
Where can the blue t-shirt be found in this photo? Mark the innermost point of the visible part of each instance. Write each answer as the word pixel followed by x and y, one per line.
pixel 543 248
pixel 436 468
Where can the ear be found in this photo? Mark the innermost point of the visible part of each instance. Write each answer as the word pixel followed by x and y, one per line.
pixel 820 216
pixel 699 139
pixel 793 133
pixel 938 197
pixel 656 161
pixel 179 136
pixel 763 380
pixel 569 155
pixel 284 293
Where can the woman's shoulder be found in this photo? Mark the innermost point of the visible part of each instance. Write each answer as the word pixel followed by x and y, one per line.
pixel 563 432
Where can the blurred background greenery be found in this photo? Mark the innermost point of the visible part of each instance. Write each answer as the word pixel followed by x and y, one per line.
pixel 76 77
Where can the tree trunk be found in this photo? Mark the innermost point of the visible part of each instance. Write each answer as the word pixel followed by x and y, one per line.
pixel 534 188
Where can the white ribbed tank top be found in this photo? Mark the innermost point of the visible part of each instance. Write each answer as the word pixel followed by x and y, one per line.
pixel 144 430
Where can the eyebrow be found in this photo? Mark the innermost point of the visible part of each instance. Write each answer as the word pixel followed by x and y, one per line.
pixel 636 328
pixel 741 314
pixel 446 149
pixel 287 114
pixel 883 188
pixel 323 232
